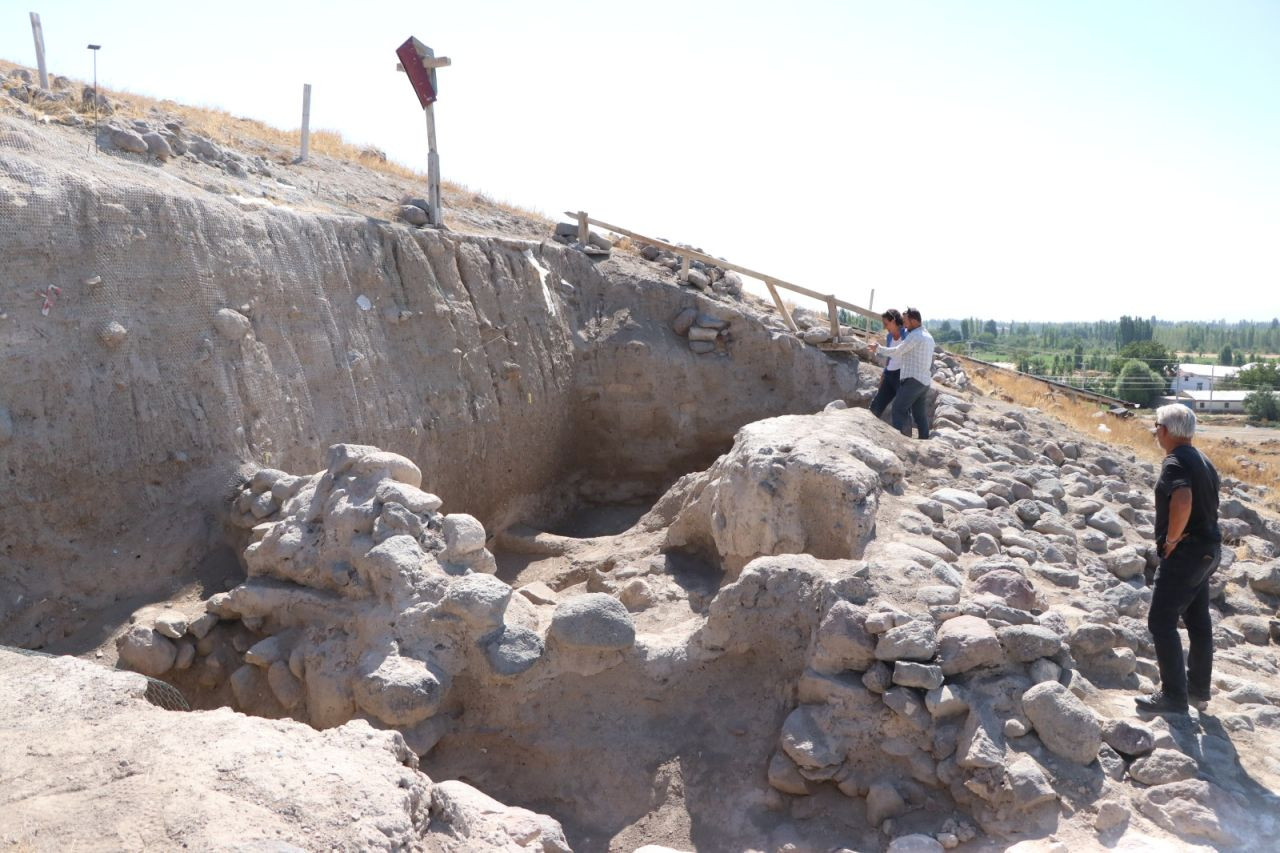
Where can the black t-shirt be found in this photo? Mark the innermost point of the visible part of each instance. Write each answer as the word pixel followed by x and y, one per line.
pixel 1188 467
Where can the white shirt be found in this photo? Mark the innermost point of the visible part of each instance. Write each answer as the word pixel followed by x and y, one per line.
pixel 915 354
pixel 895 363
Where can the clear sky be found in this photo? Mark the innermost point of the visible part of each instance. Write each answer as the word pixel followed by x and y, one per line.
pixel 1019 159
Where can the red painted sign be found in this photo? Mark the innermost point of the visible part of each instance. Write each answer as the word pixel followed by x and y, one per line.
pixel 411 54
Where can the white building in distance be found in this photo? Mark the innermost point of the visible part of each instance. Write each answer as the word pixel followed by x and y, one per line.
pixel 1201 377
pixel 1209 402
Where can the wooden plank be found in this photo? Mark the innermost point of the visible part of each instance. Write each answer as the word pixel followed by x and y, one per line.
pixel 782 309
pixel 708 259
pixel 432 62
pixel 584 230
pixel 684 267
pixel 844 346
pixel 833 317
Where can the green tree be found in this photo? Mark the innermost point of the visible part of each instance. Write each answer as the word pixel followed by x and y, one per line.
pixel 1079 357
pixel 991 328
pixel 1153 354
pixel 1138 383
pixel 1258 376
pixel 1225 355
pixel 1262 405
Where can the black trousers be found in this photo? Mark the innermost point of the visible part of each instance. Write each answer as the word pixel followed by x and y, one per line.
pixel 911 405
pixel 1182 590
pixel 886 392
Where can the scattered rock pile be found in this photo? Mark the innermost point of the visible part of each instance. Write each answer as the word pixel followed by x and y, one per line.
pixel 956 611
pixel 707 333
pixel 362 598
pixel 23 87
pixel 164 141
pixel 702 276
pixel 598 246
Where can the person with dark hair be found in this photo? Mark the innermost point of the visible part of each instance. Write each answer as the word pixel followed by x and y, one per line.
pixel 889 381
pixel 1189 542
pixel 916 356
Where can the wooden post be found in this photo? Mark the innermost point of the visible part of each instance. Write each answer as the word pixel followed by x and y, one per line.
pixel 433 156
pixel 425 55
pixel 871 303
pixel 834 317
pixel 433 168
pixel 782 309
pixel 684 267
pixel 584 229
pixel 306 122
pixel 37 32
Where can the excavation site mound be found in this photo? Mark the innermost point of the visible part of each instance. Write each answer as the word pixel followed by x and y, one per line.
pixel 330 530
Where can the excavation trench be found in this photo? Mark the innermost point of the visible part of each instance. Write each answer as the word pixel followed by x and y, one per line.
pixel 547 395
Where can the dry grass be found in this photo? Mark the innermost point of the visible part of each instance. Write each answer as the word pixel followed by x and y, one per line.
pixel 1256 465
pixel 272 143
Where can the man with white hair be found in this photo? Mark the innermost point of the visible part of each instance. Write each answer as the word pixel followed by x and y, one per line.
pixel 1190 546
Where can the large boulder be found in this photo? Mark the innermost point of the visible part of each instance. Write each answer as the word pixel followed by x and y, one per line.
pixel 959 499
pixel 790 485
pixel 1107 522
pixel 146 651
pixel 464 819
pixel 1266 578
pixel 1125 562
pixel 592 621
pixel 397 690
pixel 1010 587
pixel 777 602
pixel 913 641
pixel 808 742
pixel 968 642
pixel 1065 724
pixel 1128 737
pixel 842 641
pixel 1162 766
pixel 1025 643
pixel 1198 809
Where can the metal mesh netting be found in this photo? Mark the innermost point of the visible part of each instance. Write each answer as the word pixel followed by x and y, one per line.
pixel 158 693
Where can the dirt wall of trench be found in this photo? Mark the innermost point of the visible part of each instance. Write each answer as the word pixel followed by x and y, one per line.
pixel 199 335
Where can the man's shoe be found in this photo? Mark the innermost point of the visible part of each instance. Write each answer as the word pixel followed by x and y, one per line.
pixel 1158 703
pixel 1198 701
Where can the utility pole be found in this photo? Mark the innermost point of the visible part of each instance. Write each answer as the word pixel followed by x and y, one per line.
pixel 420 63
pixel 37 32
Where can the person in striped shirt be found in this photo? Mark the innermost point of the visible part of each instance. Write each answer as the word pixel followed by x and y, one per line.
pixel 915 354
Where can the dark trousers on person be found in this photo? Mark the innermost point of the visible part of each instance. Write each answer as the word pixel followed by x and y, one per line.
pixel 886 392
pixel 909 405
pixel 1182 590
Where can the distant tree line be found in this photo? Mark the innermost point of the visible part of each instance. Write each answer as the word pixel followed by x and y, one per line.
pixel 1203 337
pixel 1133 358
